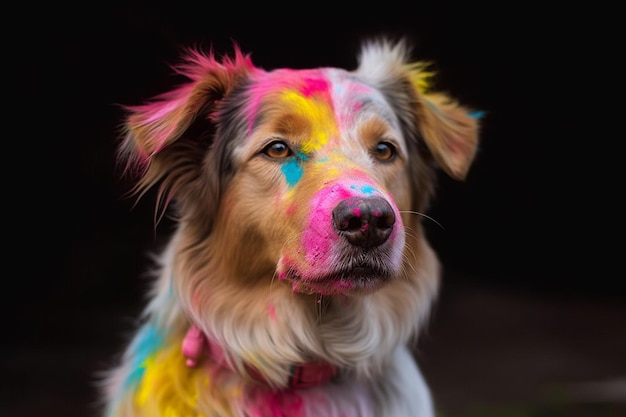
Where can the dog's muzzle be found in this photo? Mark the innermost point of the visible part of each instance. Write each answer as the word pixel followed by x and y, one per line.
pixel 352 241
pixel 364 221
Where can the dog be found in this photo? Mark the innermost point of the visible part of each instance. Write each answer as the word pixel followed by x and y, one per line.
pixel 298 276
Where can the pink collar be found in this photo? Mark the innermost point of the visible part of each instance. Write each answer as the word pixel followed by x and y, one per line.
pixel 196 344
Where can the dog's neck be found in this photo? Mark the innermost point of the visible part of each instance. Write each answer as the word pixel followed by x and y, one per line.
pixel 197 345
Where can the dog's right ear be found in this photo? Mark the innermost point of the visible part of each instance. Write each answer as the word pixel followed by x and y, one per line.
pixel 159 143
pixel 448 129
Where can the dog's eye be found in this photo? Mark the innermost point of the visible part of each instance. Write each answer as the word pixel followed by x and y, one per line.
pixel 277 150
pixel 384 151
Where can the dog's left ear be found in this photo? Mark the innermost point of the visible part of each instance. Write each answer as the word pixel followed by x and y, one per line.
pixel 449 130
pixel 153 127
pixel 166 140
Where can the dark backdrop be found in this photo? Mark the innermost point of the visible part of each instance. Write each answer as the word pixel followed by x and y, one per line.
pixel 532 216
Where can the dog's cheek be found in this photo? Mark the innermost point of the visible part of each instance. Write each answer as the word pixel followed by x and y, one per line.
pixel 255 206
pixel 399 187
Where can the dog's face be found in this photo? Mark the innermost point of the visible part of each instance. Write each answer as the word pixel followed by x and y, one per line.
pixel 321 179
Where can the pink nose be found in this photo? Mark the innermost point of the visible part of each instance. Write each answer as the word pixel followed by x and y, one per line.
pixel 364 221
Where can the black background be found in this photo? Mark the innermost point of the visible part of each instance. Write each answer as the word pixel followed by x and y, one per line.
pixel 532 219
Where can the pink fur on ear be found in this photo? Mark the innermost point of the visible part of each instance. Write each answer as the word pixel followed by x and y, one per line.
pixel 153 126
pixel 450 132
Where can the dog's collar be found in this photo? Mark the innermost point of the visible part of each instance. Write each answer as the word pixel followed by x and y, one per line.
pixel 196 344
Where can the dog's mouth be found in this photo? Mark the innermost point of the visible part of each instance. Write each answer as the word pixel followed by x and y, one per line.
pixel 357 279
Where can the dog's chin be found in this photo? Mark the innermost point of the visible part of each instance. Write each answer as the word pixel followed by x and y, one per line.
pixel 359 280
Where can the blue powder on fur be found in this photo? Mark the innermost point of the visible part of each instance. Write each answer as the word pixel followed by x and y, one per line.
pixel 148 341
pixel 366 189
pixel 293 172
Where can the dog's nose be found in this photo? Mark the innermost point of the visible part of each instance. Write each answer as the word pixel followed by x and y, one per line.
pixel 364 221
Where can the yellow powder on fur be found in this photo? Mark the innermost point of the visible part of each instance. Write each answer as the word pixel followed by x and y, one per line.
pixel 169 388
pixel 320 115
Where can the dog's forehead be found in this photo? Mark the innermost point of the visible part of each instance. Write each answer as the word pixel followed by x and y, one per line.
pixel 328 96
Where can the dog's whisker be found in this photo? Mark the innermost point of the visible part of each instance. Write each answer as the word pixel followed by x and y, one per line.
pixel 426 216
pixel 410 232
pixel 319 298
pixel 408 264
pixel 274 275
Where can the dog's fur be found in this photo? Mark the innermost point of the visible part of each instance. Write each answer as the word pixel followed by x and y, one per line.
pixel 299 197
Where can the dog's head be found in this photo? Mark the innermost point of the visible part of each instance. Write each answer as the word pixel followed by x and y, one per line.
pixel 314 168
pixel 312 180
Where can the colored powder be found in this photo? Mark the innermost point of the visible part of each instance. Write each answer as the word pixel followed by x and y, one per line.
pixel 478 114
pixel 287 403
pixel 147 343
pixel 319 235
pixel 319 113
pixel 291 209
pixel 271 311
pixel 314 86
pixel 365 189
pixel 162 390
pixel 420 77
pixel 293 172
